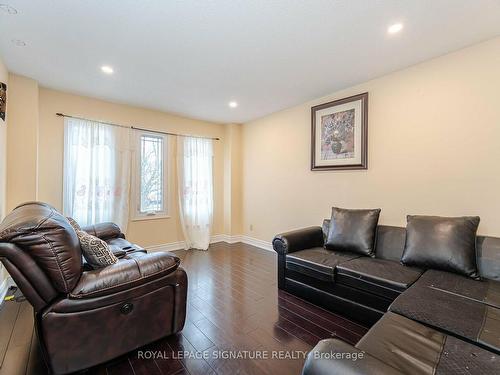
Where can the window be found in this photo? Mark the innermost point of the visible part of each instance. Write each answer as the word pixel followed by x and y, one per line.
pixel 151 176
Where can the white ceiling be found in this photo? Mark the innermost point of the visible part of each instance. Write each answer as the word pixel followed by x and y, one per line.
pixel 194 56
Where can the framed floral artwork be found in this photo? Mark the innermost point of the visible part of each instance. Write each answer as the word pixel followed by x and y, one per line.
pixel 339 134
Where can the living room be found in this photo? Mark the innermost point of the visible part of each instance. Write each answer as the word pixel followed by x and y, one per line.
pixel 252 187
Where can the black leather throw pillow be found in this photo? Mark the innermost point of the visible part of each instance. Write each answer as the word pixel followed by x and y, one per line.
pixel 442 243
pixel 353 231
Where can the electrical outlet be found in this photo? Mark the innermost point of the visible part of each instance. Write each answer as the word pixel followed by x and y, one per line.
pixel 251 227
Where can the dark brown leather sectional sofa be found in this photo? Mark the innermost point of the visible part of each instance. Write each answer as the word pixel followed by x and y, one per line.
pixel 425 321
pixel 83 316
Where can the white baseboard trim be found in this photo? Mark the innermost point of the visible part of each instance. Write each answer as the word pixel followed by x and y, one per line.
pixel 4 287
pixel 244 239
pixel 175 246
pixel 261 244
pixel 220 238
pixel 171 246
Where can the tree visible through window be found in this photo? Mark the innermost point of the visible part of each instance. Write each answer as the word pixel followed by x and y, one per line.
pixel 151 174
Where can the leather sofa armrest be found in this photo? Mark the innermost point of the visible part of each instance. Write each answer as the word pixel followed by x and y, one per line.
pixel 335 357
pixel 124 274
pixel 300 239
pixel 104 231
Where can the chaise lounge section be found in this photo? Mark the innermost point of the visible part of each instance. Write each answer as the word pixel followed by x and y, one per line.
pixel 398 345
pixel 458 306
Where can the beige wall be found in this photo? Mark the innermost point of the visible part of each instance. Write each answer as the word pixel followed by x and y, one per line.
pixel 146 232
pixel 22 135
pixel 232 179
pixel 434 148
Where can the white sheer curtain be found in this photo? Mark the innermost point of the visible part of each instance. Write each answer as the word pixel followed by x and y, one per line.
pixel 196 201
pixel 97 159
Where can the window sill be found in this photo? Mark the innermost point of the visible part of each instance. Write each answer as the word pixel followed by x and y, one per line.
pixel 152 217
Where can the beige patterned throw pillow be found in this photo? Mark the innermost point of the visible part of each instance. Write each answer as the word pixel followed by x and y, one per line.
pixel 95 251
pixel 73 223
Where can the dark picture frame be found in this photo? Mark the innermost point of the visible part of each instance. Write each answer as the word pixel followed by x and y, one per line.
pixel 3 100
pixel 340 129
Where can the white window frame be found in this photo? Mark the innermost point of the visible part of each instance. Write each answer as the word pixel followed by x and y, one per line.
pixel 136 181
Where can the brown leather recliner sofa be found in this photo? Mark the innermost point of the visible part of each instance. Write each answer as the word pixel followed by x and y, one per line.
pixel 84 317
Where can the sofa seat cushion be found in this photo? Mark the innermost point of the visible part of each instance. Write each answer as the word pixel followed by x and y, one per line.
pixel 317 262
pixel 413 348
pixel 124 274
pixel 484 291
pixel 459 316
pixel 380 276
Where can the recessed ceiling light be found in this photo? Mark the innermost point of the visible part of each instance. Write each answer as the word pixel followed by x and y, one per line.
pixel 394 29
pixel 19 42
pixel 233 104
pixel 107 69
pixel 8 9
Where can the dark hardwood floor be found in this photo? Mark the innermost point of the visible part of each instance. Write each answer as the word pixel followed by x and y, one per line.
pixel 234 308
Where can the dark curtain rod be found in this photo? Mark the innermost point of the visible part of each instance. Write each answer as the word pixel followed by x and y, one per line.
pixel 141 129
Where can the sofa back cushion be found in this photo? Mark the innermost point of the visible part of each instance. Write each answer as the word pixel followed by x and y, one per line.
pixel 442 243
pixel 488 257
pixel 353 231
pixel 47 236
pixel 390 245
pixel 390 242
